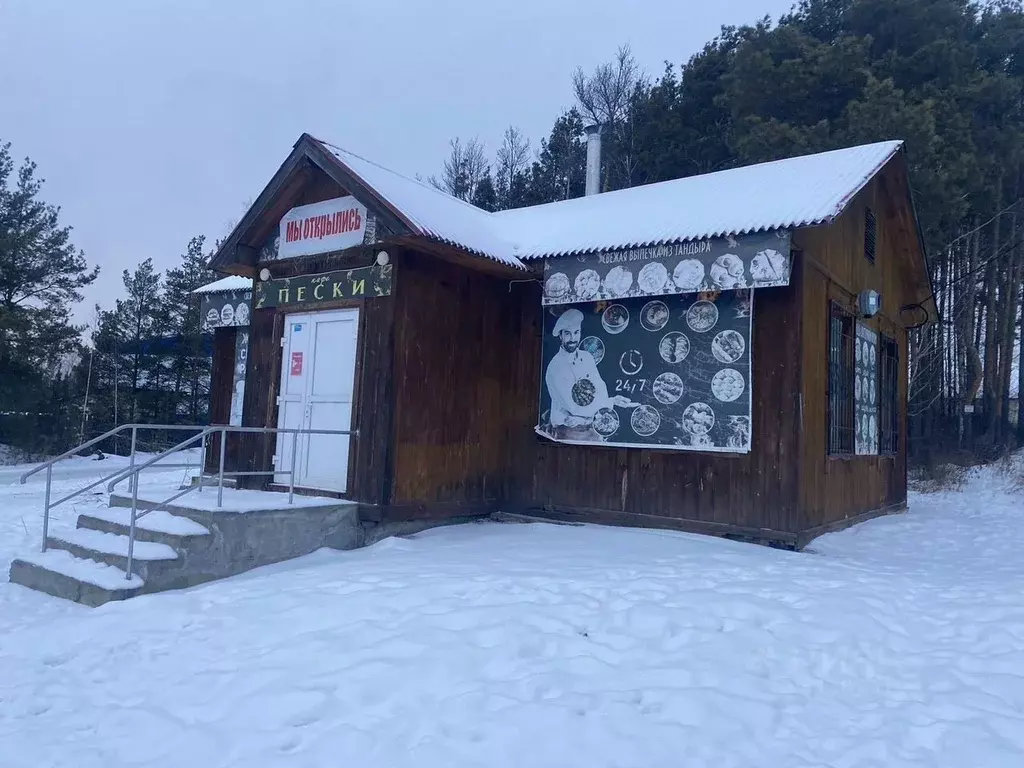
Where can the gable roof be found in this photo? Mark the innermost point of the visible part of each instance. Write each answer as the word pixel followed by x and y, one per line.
pixel 429 212
pixel 796 192
pixel 802 191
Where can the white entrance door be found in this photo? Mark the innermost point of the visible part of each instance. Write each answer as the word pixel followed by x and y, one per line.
pixel 317 380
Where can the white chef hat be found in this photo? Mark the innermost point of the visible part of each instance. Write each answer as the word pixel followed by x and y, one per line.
pixel 570 320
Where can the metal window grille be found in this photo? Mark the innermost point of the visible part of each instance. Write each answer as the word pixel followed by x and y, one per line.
pixel 888 391
pixel 870 234
pixel 840 382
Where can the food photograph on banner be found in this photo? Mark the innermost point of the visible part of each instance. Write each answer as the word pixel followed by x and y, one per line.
pixel 671 372
pixel 227 309
pixel 719 264
pixel 865 391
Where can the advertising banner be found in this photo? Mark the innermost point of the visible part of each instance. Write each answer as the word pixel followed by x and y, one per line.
pixel 229 309
pixel 865 391
pixel 668 373
pixel 238 378
pixel 759 260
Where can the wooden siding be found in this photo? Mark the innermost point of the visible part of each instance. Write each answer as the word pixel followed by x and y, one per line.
pixel 372 406
pixel 222 370
pixel 749 494
pixel 833 267
pixel 454 352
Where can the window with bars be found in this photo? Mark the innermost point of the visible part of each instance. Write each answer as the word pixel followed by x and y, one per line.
pixel 841 363
pixel 888 395
pixel 870 234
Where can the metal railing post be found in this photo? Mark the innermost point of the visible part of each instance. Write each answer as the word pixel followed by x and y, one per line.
pixel 220 471
pixel 133 479
pixel 202 462
pixel 46 507
pixel 131 531
pixel 291 474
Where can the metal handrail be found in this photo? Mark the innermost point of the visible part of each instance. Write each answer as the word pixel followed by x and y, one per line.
pixel 49 464
pixel 134 470
pixel 104 436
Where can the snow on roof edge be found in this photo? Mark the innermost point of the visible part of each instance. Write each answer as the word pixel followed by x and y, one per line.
pixel 226 284
pixel 672 241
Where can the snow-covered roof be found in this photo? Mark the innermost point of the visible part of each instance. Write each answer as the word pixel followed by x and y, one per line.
pixel 432 212
pixel 795 192
pixel 785 194
pixel 225 284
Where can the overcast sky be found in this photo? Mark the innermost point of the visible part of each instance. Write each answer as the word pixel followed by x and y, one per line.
pixel 156 120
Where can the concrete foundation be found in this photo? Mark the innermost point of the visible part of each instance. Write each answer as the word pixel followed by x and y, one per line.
pixel 241 541
pixel 252 530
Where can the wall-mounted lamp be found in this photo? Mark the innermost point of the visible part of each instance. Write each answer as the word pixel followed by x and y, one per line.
pixel 869 303
pixel 383 258
pixel 264 274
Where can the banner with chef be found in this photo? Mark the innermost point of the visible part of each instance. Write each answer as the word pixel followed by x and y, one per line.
pixel 668 373
pixel 759 260
pixel 226 309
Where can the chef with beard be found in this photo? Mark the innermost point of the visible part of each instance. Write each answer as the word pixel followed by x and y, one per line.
pixel 575 386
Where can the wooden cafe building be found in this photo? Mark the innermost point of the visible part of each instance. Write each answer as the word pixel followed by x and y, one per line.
pixel 724 354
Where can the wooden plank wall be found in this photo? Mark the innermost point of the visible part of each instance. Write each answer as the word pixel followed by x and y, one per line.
pixel 834 268
pixel 259 408
pixel 454 351
pixel 373 395
pixel 221 384
pixel 720 493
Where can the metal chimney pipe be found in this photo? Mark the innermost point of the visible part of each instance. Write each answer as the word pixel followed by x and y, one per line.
pixel 593 158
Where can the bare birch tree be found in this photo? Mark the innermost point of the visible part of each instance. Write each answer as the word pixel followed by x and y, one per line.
pixel 605 97
pixel 513 160
pixel 464 169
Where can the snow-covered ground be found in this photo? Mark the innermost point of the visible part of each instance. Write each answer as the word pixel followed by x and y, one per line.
pixel 10 455
pixel 897 643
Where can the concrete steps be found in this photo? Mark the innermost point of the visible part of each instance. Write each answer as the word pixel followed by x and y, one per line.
pixel 150 560
pixel 161 527
pixel 187 543
pixel 59 573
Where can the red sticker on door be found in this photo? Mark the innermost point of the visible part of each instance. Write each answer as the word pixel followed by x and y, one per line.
pixel 296 363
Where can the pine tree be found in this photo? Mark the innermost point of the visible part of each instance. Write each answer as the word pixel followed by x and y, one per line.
pixel 189 368
pixel 41 277
pixel 484 195
pixel 559 173
pixel 133 326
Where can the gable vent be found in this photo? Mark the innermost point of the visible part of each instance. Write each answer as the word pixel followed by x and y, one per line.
pixel 870 234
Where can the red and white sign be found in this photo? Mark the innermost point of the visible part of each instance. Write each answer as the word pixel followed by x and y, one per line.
pixel 296 363
pixel 321 227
